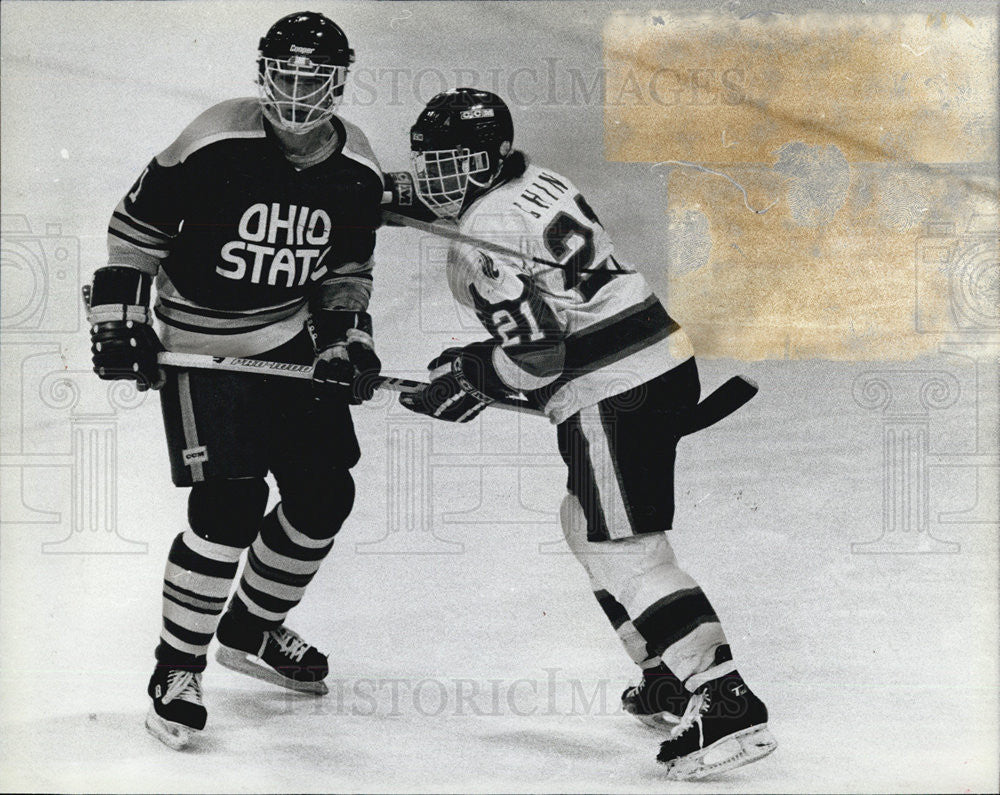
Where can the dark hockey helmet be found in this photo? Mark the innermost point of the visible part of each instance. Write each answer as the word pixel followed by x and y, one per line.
pixel 302 67
pixel 459 143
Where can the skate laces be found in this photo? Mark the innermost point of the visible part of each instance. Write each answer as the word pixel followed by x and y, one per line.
pixel 697 706
pixel 183 685
pixel 291 645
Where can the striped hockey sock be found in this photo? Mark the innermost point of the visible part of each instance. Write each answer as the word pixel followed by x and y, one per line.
pixel 196 583
pixel 280 565
pixel 683 629
pixel 634 643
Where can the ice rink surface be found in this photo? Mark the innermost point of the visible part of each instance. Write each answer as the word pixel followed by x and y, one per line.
pixel 466 651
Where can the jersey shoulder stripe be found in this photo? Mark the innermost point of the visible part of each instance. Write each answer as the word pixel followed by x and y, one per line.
pixel 234 118
pixel 357 148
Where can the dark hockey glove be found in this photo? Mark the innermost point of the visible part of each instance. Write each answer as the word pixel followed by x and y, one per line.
pixel 346 366
pixel 123 343
pixel 463 383
pixel 400 196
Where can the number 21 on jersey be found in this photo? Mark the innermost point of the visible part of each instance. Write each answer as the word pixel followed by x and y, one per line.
pixel 520 321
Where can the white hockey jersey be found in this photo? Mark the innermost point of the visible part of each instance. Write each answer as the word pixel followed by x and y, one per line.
pixel 571 335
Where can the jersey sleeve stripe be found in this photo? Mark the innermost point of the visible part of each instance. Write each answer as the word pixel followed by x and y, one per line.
pixel 353 268
pixel 516 373
pixel 364 277
pixel 152 248
pixel 139 226
pixel 349 292
pixel 541 362
pixel 599 327
pixel 128 255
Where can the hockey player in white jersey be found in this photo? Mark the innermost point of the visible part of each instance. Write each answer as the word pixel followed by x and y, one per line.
pixel 586 340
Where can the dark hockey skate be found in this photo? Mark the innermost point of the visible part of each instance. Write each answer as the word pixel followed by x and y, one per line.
pixel 723 727
pixel 177 711
pixel 658 700
pixel 278 656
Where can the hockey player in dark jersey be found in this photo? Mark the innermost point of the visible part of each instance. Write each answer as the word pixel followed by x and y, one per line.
pixel 587 340
pixel 260 216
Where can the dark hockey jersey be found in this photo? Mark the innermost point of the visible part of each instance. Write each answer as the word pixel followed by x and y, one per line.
pixel 240 239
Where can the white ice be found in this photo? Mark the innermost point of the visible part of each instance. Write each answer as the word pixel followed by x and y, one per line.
pixel 474 657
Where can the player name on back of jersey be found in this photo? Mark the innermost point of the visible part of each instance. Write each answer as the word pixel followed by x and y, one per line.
pixel 542 192
pixel 277 241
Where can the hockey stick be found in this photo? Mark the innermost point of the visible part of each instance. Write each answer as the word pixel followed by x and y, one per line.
pixel 720 403
pixel 238 364
pixel 726 399
pixel 441 229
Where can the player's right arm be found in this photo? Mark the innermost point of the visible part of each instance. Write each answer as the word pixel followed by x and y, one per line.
pixel 525 350
pixel 140 233
pixel 526 346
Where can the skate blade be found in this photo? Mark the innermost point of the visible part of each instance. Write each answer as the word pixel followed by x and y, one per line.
pixel 172 734
pixel 730 752
pixel 240 661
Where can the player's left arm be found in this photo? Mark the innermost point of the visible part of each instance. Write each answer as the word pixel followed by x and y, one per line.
pixel 346 365
pixel 141 234
pixel 526 348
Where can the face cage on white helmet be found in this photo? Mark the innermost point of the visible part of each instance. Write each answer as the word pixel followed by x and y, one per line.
pixel 288 94
pixel 443 177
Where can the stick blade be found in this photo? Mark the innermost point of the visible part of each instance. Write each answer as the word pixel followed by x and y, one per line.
pixel 729 397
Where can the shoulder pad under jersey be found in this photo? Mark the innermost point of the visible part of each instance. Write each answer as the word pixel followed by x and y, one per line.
pixel 357 148
pixel 234 118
